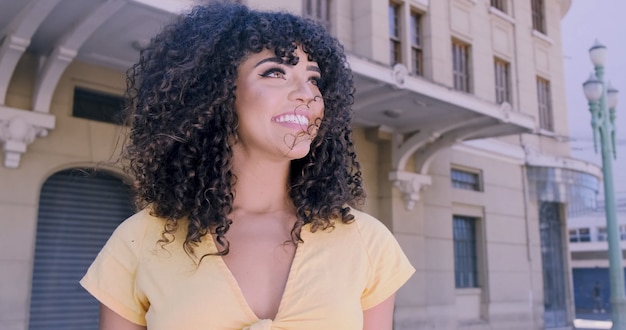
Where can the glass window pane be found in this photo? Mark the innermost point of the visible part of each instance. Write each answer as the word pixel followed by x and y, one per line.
pixel 465 258
pixel 544 101
pixel 538 15
pixel 395 51
pixel 502 89
pixel 499 4
pixel 460 66
pixel 318 10
pixel 465 180
pixel 416 44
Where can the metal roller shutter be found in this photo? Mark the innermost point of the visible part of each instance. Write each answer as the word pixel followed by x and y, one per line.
pixel 78 211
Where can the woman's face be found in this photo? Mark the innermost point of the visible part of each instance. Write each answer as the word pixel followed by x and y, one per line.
pixel 279 106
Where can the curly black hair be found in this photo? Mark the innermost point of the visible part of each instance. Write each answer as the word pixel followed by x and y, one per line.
pixel 182 95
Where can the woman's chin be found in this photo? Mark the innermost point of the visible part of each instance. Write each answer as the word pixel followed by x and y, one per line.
pixel 299 149
pixel 297 146
pixel 298 152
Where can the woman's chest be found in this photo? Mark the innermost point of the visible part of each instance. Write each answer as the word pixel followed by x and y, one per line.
pixel 322 289
pixel 259 272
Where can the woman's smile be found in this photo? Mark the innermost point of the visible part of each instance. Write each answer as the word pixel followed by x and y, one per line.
pixel 296 120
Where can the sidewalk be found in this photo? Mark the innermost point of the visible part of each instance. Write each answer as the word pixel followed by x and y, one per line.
pixel 589 321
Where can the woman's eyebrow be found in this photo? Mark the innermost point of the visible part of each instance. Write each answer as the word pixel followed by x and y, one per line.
pixel 314 68
pixel 277 60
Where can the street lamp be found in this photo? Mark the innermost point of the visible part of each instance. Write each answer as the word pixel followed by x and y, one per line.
pixel 602 103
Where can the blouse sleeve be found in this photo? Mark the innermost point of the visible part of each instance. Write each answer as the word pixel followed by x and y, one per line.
pixel 389 266
pixel 111 276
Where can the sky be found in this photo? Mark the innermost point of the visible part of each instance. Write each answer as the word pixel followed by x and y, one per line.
pixel 586 21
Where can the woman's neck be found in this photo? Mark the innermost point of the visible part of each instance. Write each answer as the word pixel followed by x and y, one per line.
pixel 261 186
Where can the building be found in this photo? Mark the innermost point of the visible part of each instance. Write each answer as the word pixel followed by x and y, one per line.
pixel 589 254
pixel 460 114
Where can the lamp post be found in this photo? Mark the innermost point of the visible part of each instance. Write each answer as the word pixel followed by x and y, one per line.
pixel 602 103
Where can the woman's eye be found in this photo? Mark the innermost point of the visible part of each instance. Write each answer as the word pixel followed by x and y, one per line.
pixel 316 81
pixel 274 73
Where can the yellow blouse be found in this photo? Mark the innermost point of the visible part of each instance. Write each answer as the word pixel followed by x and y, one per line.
pixel 334 276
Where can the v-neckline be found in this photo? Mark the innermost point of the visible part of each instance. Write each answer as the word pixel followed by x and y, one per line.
pixel 291 277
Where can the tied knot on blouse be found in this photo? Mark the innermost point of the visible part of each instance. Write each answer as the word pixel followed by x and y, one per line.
pixel 260 325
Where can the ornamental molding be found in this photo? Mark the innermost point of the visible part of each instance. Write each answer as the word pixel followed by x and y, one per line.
pixel 18 129
pixel 410 185
pixel 399 75
pixel 505 110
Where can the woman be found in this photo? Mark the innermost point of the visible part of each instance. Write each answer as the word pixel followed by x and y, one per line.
pixel 247 178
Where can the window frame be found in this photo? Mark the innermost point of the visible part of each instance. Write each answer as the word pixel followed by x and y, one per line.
pixel 417 42
pixel 466 249
pixel 407 26
pixel 395 35
pixel 502 80
pixel 470 185
pixel 578 236
pixel 95 105
pixel 601 234
pixel 318 10
pixel 544 104
pixel 461 66
pixel 538 12
pixel 501 5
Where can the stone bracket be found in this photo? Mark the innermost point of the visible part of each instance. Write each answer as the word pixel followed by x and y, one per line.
pixel 410 184
pixel 18 129
pixel 66 50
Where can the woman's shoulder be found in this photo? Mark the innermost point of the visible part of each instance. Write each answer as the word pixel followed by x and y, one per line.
pixel 140 220
pixel 368 224
pixel 139 225
pixel 366 227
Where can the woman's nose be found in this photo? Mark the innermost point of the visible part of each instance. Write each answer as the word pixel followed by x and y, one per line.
pixel 304 92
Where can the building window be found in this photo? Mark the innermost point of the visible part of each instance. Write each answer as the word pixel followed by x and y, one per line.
pixel 465 258
pixel 416 44
pixel 499 5
pixel 579 235
pixel 546 120
pixel 318 10
pixel 98 106
pixel 539 15
pixel 602 235
pixel 622 233
pixel 465 180
pixel 503 79
pixel 395 46
pixel 460 66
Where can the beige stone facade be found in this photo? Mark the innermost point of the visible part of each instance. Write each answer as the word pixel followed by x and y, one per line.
pixel 411 131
